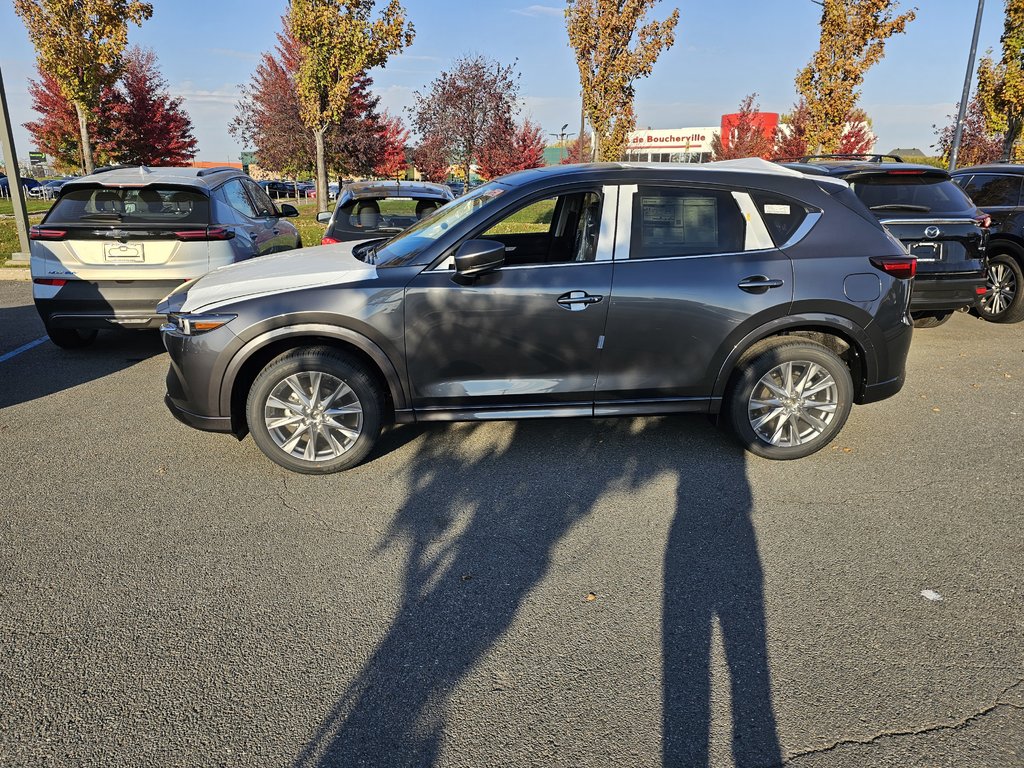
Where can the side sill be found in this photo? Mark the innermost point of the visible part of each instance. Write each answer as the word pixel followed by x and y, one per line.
pixel 655 407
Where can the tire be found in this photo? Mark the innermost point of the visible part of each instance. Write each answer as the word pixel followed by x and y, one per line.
pixel 931 321
pixel 71 338
pixel 301 433
pixel 774 429
pixel 1003 301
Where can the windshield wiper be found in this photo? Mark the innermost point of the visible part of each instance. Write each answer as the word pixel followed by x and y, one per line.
pixel 901 207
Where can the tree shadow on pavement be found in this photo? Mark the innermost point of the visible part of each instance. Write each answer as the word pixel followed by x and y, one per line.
pixel 481 537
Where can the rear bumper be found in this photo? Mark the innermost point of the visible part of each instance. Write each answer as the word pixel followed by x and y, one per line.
pixel 106 304
pixel 937 294
pixel 883 389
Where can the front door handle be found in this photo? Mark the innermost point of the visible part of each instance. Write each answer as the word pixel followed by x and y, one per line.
pixel 758 284
pixel 576 301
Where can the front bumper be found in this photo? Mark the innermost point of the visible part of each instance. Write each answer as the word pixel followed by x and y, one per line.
pixel 205 423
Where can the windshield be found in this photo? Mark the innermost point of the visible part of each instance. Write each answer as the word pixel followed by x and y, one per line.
pixel 403 248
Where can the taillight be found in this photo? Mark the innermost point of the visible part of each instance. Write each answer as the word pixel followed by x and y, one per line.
pixel 328 241
pixel 210 233
pixel 984 220
pixel 902 267
pixel 54 281
pixel 38 232
pixel 905 172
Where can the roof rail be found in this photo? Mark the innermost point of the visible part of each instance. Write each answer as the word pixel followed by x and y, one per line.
pixel 866 157
pixel 219 169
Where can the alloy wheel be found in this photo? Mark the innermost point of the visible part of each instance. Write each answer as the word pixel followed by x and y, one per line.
pixel 313 416
pixel 793 403
pixel 999 290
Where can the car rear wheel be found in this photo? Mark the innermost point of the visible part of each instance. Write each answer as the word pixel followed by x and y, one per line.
pixel 1003 301
pixel 790 400
pixel 315 410
pixel 71 338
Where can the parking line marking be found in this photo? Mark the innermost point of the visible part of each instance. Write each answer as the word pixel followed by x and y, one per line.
pixel 23 348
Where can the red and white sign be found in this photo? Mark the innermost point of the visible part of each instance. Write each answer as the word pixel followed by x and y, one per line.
pixel 692 140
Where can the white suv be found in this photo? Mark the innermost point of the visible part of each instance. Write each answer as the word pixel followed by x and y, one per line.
pixel 119 240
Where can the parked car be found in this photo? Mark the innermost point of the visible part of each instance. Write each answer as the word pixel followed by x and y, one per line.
pixel 278 189
pixel 115 242
pixel 931 216
pixel 376 208
pixel 740 288
pixel 27 183
pixel 996 189
pixel 458 188
pixel 48 189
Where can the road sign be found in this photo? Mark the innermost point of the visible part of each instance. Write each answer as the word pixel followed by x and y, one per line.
pixel 37 158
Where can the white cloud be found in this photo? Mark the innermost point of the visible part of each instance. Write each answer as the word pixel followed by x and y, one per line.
pixel 540 10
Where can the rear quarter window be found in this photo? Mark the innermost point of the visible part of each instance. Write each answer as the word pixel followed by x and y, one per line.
pixel 148 205
pixel 782 217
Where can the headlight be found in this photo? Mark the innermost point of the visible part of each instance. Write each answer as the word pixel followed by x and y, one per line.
pixel 193 324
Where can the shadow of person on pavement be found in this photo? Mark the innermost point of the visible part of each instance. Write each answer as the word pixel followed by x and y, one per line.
pixel 480 539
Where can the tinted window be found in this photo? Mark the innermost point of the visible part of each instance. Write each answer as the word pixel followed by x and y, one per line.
pixel 676 221
pixel 989 190
pixel 234 194
pixel 146 205
pixel 781 216
pixel 259 198
pixel 925 193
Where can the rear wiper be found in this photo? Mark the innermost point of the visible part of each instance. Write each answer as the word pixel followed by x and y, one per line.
pixel 102 216
pixel 901 207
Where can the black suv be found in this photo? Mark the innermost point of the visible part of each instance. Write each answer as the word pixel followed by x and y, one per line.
pixel 996 189
pixel 930 215
pixel 741 288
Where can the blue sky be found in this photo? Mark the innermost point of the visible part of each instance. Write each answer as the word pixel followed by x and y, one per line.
pixel 724 50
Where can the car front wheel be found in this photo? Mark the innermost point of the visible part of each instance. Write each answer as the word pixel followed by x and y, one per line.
pixel 790 400
pixel 315 410
pixel 1003 301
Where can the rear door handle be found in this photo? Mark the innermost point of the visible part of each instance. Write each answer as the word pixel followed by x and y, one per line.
pixel 759 283
pixel 575 301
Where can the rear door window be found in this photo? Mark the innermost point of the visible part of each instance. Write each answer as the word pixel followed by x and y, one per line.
pixel 234 194
pixel 264 207
pixel 133 205
pixel 680 221
pixel 990 190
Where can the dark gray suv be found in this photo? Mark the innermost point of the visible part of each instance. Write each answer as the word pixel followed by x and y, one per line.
pixel 741 288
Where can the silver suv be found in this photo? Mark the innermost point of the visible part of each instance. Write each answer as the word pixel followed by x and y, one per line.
pixel 117 241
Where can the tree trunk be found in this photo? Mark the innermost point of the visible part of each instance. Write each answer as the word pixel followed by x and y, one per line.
pixel 322 203
pixel 596 153
pixel 83 133
pixel 1009 139
pixel 466 169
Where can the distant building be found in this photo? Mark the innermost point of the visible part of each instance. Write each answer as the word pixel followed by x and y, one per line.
pixel 905 153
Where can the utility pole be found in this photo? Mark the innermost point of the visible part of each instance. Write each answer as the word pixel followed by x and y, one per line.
pixel 958 133
pixel 13 177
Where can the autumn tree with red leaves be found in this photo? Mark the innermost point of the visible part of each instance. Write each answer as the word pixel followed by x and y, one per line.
pixel 747 137
pixel 145 124
pixel 267 118
pixel 578 151
pixel 431 160
pixel 977 145
pixel 463 107
pixel 857 137
pixel 510 148
pixel 393 137
pixel 791 137
pixel 136 120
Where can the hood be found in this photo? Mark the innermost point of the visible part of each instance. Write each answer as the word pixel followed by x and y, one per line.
pixel 266 275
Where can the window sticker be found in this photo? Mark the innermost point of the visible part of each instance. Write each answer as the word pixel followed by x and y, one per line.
pixel 675 220
pixel 778 210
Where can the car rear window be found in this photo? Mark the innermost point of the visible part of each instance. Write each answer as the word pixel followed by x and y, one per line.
pixel 146 205
pixel 924 193
pixel 991 190
pixel 383 214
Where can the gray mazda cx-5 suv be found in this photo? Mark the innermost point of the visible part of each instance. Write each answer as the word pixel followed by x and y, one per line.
pixel 741 288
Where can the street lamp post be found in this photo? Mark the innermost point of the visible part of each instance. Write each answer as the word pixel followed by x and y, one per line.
pixel 562 136
pixel 958 133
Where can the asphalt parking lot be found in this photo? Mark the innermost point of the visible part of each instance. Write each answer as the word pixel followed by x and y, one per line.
pixel 582 593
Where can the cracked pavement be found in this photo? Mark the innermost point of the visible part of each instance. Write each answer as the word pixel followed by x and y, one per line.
pixel 579 593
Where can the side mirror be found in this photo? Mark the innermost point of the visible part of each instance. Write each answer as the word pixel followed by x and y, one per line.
pixel 324 217
pixel 475 257
pixel 288 211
